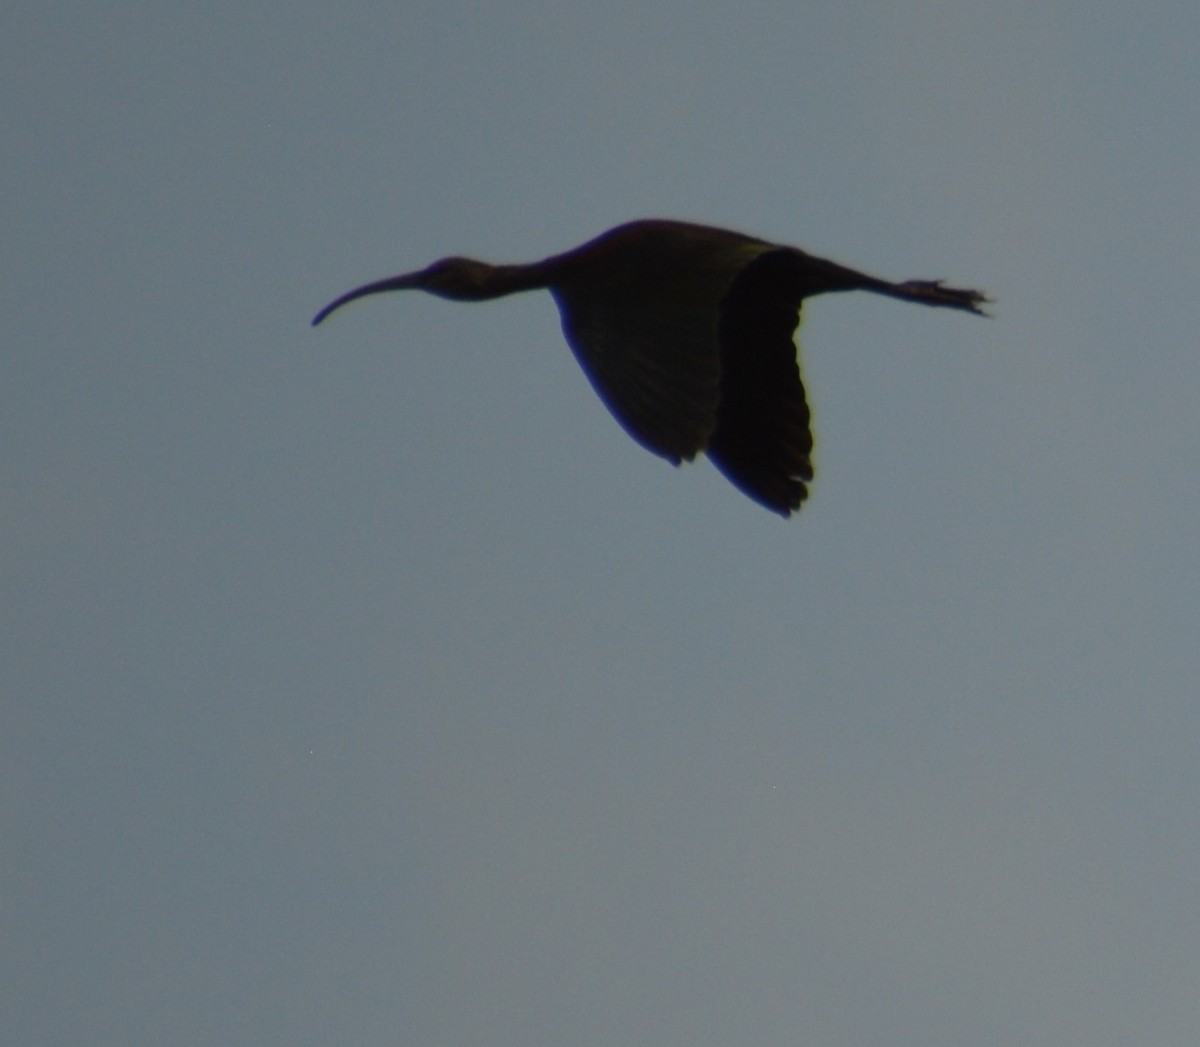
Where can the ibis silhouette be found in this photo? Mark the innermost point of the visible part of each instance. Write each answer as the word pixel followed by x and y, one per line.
pixel 685 332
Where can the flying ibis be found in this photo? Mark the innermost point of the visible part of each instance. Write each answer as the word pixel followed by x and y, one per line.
pixel 685 332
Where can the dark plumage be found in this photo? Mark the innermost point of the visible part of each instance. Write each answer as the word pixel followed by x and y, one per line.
pixel 685 332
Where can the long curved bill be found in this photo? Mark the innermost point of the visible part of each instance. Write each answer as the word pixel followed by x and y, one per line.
pixel 403 282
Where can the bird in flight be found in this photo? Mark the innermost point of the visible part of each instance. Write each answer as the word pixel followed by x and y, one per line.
pixel 685 332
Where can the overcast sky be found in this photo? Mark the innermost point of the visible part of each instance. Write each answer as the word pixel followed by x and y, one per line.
pixel 368 685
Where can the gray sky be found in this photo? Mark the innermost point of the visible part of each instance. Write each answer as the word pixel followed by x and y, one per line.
pixel 369 685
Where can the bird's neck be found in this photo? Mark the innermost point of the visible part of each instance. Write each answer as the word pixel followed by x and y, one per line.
pixel 481 281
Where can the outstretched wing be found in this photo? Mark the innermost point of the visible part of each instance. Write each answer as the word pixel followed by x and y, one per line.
pixel 640 309
pixel 653 361
pixel 762 440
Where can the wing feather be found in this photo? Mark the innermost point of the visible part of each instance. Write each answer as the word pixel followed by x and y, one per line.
pixel 763 438
pixel 654 363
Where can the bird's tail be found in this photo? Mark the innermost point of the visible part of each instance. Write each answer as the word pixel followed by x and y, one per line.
pixel 935 292
pixel 817 275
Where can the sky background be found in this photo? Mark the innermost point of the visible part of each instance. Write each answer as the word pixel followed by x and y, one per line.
pixel 369 685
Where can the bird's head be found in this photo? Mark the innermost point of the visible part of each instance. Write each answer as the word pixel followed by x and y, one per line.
pixel 456 278
pixel 461 279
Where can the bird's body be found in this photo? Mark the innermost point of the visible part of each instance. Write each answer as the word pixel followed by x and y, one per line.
pixel 685 332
